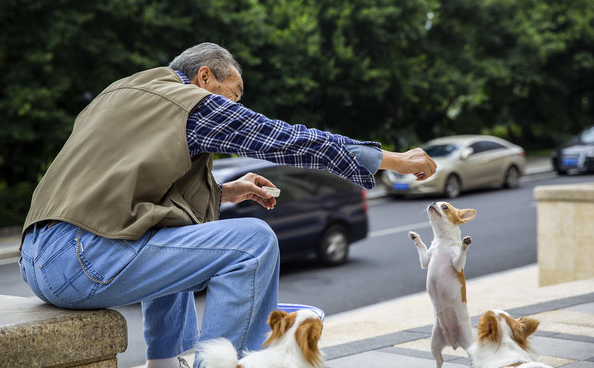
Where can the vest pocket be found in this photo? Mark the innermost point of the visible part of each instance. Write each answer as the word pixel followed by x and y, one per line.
pixel 177 213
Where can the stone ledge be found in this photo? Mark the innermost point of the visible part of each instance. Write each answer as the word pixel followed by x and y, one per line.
pixel 565 214
pixel 565 193
pixel 36 334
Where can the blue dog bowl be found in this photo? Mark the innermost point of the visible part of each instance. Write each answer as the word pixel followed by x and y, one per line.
pixel 289 308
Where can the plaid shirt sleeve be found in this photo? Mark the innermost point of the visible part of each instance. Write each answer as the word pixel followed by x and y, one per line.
pixel 223 126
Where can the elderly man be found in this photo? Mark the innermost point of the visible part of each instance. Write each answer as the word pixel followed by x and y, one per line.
pixel 126 212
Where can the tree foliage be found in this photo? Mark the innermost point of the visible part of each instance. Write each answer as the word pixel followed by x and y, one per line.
pixel 399 72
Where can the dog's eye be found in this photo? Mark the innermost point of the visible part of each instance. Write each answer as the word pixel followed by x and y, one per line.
pixel 444 207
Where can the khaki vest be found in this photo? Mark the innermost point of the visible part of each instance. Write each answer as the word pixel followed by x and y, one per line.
pixel 126 167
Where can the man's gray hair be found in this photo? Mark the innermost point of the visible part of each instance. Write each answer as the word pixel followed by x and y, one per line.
pixel 217 58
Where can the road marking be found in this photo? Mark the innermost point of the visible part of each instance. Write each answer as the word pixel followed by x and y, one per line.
pixel 399 229
pixel 540 176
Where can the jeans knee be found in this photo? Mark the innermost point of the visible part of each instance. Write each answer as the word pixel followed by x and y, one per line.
pixel 267 242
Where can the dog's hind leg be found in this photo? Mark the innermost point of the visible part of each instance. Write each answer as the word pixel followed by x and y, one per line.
pixel 438 342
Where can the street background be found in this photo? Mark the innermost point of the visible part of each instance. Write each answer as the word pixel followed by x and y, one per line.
pixel 401 73
pixel 385 265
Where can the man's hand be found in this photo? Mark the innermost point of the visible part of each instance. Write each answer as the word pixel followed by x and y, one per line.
pixel 248 186
pixel 415 162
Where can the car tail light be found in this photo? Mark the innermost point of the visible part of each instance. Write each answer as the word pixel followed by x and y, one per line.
pixel 364 199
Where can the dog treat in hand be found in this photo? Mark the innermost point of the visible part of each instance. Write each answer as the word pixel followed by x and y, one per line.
pixel 275 192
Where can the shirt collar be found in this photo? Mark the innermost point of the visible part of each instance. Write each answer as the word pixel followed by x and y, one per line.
pixel 183 77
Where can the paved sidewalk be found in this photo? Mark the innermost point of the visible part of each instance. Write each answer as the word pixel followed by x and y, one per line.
pixel 397 333
pixel 9 245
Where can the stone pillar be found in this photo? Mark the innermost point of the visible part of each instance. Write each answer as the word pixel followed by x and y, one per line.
pixel 565 232
pixel 35 334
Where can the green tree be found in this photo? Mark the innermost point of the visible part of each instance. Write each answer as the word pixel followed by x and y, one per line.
pixel 347 67
pixel 55 56
pixel 399 72
pixel 532 69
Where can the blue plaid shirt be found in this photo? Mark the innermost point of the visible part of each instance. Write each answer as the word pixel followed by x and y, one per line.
pixel 220 125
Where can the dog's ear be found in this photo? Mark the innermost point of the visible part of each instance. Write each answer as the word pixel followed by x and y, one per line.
pixel 488 327
pixel 279 322
pixel 466 215
pixel 523 329
pixel 276 318
pixel 529 325
pixel 308 334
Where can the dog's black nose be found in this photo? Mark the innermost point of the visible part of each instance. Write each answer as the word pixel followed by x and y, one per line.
pixel 433 203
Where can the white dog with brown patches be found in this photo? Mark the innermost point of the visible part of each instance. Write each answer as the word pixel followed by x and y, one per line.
pixel 292 343
pixel 446 285
pixel 503 341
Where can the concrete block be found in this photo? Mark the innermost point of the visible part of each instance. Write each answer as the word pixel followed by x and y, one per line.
pixel 36 334
pixel 565 231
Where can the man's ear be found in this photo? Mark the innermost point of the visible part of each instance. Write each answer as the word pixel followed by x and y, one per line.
pixel 202 77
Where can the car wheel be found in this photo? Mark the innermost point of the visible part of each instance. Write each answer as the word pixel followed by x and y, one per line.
pixel 561 172
pixel 557 169
pixel 452 186
pixel 334 247
pixel 512 177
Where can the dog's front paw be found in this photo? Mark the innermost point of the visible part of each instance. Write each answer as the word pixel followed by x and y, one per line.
pixel 466 242
pixel 413 236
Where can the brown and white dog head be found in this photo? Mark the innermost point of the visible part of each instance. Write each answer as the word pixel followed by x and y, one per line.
pixel 503 341
pixel 443 214
pixel 446 218
pixel 498 326
pixel 303 327
pixel 292 342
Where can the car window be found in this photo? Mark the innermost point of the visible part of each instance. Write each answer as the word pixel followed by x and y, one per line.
pixel 587 136
pixel 441 150
pixel 329 183
pixel 294 183
pixel 483 146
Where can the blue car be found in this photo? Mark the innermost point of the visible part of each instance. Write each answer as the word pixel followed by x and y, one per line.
pixel 317 213
pixel 577 155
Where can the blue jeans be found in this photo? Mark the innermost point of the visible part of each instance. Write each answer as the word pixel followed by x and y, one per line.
pixel 238 260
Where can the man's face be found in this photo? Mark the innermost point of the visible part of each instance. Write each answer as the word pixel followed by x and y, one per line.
pixel 231 87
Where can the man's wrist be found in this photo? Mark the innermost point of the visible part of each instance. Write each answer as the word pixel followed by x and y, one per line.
pixel 390 160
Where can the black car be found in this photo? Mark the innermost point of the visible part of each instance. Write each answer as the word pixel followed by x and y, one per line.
pixel 317 213
pixel 577 155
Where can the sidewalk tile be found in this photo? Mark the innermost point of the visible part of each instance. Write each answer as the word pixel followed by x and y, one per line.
pixel 580 365
pixel 562 348
pixel 382 359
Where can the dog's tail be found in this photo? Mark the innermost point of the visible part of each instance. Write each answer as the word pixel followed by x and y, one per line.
pixel 217 353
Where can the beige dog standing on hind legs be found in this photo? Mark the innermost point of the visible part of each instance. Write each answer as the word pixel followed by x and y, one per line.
pixel 446 285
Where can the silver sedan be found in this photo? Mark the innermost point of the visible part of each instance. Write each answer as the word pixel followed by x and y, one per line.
pixel 464 162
